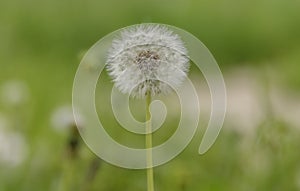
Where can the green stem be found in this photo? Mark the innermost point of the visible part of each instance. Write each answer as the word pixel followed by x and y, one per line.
pixel 150 181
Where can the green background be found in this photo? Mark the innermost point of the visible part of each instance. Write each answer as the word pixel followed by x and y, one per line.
pixel 254 42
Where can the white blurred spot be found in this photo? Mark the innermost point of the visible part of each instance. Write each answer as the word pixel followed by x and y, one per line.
pixel 244 104
pixel 251 100
pixel 14 93
pixel 243 100
pixel 13 148
pixel 63 118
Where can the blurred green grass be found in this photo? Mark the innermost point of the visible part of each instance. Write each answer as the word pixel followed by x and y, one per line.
pixel 42 42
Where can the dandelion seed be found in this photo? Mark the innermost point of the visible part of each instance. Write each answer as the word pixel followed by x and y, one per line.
pixel 146 56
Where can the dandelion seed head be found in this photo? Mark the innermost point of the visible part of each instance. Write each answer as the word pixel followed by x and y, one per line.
pixel 147 58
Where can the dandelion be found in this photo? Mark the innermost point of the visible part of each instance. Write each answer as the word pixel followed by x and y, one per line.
pixel 146 60
pixel 143 58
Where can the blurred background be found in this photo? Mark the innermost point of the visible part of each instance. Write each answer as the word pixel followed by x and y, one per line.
pixel 256 44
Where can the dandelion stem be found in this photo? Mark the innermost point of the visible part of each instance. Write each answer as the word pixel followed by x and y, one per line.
pixel 150 181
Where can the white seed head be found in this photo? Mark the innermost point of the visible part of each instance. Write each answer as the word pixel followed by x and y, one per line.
pixel 147 58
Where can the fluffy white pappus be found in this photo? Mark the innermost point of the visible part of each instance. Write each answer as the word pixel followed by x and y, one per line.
pixel 147 58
